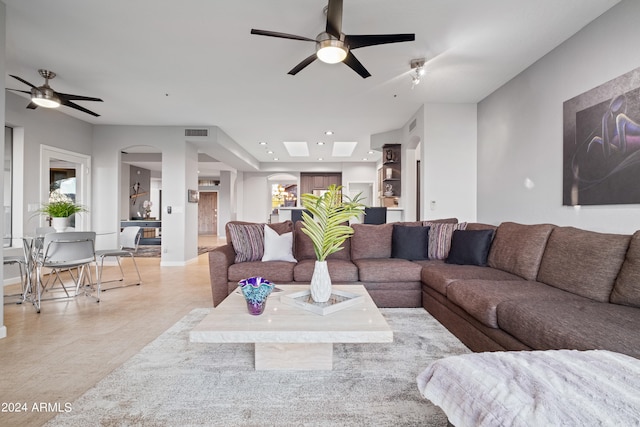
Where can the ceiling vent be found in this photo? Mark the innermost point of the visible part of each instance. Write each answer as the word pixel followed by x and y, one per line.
pixel 196 132
pixel 413 124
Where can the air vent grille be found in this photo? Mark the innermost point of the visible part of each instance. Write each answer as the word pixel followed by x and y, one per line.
pixel 196 132
pixel 413 124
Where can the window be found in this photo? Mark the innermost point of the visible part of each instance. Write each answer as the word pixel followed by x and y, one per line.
pixel 8 185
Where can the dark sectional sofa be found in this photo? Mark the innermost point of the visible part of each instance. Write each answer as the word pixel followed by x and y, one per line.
pixel 542 286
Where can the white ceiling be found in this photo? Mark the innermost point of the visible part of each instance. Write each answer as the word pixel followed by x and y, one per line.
pixel 194 62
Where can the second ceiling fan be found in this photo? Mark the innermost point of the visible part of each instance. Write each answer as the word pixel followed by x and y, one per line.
pixel 333 46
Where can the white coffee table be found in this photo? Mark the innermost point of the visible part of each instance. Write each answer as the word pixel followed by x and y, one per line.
pixel 291 338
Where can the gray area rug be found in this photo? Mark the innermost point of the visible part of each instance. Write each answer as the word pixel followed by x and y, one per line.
pixel 173 382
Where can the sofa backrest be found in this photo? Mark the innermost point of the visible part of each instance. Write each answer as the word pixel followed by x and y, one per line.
pixel 303 246
pixel 518 248
pixel 371 241
pixel 626 291
pixel 583 262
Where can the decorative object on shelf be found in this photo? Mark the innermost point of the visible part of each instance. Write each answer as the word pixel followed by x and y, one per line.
pixel 327 229
pixel 388 190
pixel 146 205
pixel 388 155
pixel 59 209
pixel 389 172
pixel 255 291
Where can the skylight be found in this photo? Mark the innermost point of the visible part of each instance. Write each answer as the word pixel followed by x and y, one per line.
pixel 343 148
pixel 297 148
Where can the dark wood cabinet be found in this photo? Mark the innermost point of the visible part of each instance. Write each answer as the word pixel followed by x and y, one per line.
pixel 390 175
pixel 318 181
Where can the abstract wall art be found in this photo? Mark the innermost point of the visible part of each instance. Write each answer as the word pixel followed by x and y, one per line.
pixel 601 149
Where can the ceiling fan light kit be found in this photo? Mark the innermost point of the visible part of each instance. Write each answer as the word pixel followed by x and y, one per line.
pixel 46 97
pixel 333 46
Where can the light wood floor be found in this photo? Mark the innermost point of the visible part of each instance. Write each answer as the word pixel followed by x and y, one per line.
pixel 57 355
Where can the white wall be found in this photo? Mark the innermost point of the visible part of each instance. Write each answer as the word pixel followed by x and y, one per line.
pixel 179 229
pixel 3 328
pixel 448 161
pixel 520 128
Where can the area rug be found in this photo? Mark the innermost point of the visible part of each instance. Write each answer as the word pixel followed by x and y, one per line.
pixel 173 382
pixel 153 251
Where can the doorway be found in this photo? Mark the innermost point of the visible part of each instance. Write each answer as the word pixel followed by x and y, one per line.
pixel 208 213
pixel 72 171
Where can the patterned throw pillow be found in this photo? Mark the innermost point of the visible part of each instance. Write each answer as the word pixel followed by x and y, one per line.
pixel 440 237
pixel 247 241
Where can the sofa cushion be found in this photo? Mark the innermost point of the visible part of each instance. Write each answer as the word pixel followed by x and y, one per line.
pixel 480 298
pixel 387 270
pixel 274 271
pixel 410 243
pixel 438 275
pixel 371 241
pixel 339 270
pixel 470 247
pixel 579 324
pixel 303 246
pixel 278 247
pixel 440 237
pixel 518 248
pixel 583 262
pixel 627 287
pixel 247 241
pixel 279 227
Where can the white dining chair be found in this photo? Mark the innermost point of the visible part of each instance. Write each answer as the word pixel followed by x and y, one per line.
pixel 129 240
pixel 65 251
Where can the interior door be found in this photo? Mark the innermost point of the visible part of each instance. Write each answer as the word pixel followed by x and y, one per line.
pixel 208 213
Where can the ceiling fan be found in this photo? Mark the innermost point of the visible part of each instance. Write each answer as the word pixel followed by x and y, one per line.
pixel 333 46
pixel 44 96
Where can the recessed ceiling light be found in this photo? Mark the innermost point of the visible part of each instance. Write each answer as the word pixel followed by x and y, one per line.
pixel 329 132
pixel 276 159
pixel 370 152
pixel 262 143
pixel 320 158
pixel 364 159
pixel 270 152
pixel 320 143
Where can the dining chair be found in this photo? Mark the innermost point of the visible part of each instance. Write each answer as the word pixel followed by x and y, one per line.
pixel 129 240
pixel 65 251
pixel 21 262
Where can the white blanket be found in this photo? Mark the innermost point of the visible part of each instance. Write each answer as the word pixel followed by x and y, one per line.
pixel 536 388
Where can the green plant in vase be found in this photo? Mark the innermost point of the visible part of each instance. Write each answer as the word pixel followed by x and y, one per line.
pixel 327 228
pixel 59 208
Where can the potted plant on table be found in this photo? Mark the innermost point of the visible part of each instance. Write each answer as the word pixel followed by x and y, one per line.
pixel 59 208
pixel 327 227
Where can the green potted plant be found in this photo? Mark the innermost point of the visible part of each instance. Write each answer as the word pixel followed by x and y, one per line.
pixel 327 227
pixel 59 208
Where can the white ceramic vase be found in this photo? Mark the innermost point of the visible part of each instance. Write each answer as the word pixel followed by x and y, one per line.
pixel 320 282
pixel 60 223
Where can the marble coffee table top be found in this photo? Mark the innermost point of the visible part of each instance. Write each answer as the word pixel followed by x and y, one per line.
pixel 230 322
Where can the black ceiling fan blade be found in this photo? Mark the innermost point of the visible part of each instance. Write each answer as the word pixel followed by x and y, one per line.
pixel 280 35
pixel 334 18
pixel 77 107
pixel 355 42
pixel 70 97
pixel 18 90
pixel 356 66
pixel 22 80
pixel 295 70
pixel 32 106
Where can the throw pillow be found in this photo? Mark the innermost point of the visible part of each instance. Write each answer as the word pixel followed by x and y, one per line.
pixel 440 238
pixel 470 247
pixel 278 247
pixel 247 241
pixel 411 243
